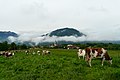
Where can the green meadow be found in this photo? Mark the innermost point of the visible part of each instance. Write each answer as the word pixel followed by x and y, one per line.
pixel 61 64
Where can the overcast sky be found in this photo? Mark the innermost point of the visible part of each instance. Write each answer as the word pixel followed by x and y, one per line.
pixel 99 19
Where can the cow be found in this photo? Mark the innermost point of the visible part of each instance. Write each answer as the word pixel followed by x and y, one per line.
pixel 26 51
pixel 99 53
pixel 38 52
pixel 33 52
pixel 81 53
pixel 44 52
pixel 7 54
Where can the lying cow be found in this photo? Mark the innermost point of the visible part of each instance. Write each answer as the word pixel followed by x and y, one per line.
pixel 97 52
pixel 81 53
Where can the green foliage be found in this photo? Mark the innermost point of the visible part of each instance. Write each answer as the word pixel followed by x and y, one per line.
pixel 61 64
pixel 4 46
pixel 23 46
pixel 108 46
pixel 13 46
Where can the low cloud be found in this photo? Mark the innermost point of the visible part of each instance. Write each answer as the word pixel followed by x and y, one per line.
pixel 98 9
pixel 99 35
pixel 12 39
pixel 37 38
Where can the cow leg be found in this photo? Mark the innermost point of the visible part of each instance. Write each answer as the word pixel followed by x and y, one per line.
pixel 89 62
pixel 103 61
pixel 78 55
pixel 102 55
pixel 83 57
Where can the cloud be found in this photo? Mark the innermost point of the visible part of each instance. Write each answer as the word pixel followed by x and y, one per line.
pixel 93 36
pixel 96 9
pixel 45 15
pixel 36 9
pixel 12 39
pixel 37 38
pixel 65 38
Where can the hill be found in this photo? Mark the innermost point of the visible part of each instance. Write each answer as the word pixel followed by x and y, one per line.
pixel 5 34
pixel 65 32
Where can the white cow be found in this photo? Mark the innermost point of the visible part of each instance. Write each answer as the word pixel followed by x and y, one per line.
pixel 81 53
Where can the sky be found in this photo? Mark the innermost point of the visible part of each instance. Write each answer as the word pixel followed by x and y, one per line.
pixel 99 19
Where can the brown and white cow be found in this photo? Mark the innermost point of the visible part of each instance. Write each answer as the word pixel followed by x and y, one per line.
pixel 99 53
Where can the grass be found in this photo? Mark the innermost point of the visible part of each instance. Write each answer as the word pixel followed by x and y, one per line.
pixel 60 65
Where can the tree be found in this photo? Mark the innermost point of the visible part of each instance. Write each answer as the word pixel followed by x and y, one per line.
pixel 4 46
pixel 13 46
pixel 23 46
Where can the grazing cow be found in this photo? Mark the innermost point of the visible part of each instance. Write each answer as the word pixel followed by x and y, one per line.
pixel 7 54
pixel 26 51
pixel 81 53
pixel 97 52
pixel 44 52
pixel 33 52
pixel 72 47
pixel 38 52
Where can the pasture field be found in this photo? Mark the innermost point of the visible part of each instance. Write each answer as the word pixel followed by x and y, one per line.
pixel 61 64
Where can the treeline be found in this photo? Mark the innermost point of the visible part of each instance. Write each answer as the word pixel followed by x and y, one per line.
pixel 109 46
pixel 11 46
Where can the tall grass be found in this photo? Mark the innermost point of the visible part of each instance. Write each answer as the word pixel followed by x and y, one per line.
pixel 61 64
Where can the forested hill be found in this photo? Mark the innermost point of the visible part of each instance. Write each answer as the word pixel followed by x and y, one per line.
pixel 65 32
pixel 5 34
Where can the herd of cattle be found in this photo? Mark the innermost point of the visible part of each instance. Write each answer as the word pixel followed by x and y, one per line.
pixel 90 53
pixel 43 52
pixel 12 53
